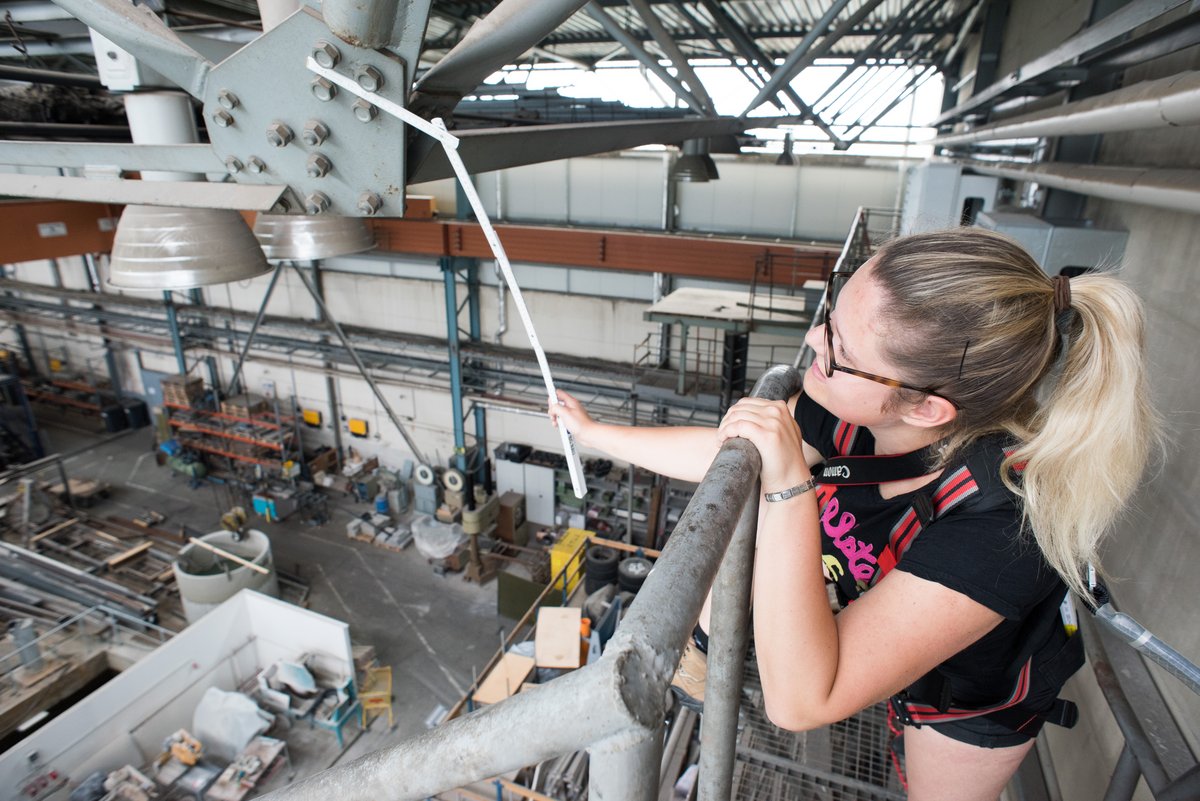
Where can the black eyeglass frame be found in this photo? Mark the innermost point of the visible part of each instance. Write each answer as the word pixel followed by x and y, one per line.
pixel 831 365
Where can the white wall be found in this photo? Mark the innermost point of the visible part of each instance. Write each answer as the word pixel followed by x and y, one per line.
pixel 127 719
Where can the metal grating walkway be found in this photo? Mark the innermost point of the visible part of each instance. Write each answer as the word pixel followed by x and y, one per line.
pixel 847 761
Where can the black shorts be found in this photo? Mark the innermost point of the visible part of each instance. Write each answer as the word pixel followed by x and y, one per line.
pixel 985 733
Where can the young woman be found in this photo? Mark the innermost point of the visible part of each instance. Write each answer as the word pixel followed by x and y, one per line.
pixel 1025 398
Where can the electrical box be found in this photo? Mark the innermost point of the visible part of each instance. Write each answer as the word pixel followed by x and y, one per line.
pixel 938 195
pixel 1056 246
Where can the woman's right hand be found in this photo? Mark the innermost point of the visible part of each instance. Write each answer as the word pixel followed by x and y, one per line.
pixel 570 412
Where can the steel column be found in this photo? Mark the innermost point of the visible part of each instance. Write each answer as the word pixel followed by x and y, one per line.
pixel 729 637
pixel 450 287
pixel 476 334
pixel 214 377
pixel 235 386
pixel 110 360
pixel 173 327
pixel 358 363
pixel 331 386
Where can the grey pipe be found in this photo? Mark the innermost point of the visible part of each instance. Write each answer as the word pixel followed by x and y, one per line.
pixel 1141 639
pixel 1175 189
pixel 621 770
pixel 1164 103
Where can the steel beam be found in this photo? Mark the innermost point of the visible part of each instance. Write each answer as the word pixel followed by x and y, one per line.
pixel 487 149
pixel 26 75
pixel 138 30
pixel 78 155
pixel 671 50
pixel 636 50
pixel 188 194
pixel 807 52
pixel 876 48
pixel 509 30
pixel 1111 27
pixel 745 44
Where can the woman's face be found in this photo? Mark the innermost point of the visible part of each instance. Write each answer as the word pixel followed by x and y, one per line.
pixel 859 332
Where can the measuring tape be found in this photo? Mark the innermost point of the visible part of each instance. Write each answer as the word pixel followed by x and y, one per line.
pixel 437 129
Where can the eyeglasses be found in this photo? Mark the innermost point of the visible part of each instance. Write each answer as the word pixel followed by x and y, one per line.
pixel 837 280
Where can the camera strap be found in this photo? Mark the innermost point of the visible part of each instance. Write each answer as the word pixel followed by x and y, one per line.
pixel 863 470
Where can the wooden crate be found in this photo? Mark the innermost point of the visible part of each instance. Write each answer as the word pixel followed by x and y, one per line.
pixel 246 405
pixel 182 390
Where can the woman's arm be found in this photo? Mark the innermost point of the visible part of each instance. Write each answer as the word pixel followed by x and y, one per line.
pixel 817 668
pixel 682 452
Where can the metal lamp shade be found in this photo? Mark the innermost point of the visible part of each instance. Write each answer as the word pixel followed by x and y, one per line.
pixel 695 165
pixel 286 237
pixel 159 247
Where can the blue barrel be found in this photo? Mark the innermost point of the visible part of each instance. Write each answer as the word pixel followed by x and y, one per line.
pixel 381 503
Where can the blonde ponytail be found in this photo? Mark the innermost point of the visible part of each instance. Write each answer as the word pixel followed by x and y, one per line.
pixel 973 315
pixel 1091 437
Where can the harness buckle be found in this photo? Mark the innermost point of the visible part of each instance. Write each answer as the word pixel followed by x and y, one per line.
pixel 900 711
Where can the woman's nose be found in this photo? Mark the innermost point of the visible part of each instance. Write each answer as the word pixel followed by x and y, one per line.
pixel 815 339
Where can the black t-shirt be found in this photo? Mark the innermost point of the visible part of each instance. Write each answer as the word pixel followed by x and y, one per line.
pixel 976 547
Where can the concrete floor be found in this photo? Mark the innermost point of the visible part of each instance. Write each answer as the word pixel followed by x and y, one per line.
pixel 435 631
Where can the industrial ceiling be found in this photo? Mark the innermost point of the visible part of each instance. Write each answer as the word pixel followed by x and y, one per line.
pixel 433 55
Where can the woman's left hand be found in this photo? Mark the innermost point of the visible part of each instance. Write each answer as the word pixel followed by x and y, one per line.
pixel 773 430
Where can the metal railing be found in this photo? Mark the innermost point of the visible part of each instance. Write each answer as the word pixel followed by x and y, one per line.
pixel 1155 747
pixel 870 229
pixel 78 637
pixel 613 708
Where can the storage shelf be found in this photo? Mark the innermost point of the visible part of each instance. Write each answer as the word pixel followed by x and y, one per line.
pixel 201 445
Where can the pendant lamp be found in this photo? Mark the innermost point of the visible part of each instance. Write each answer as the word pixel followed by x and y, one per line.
pixel 695 165
pixel 159 248
pixel 290 237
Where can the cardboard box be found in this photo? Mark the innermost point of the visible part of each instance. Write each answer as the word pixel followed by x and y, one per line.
pixel 556 642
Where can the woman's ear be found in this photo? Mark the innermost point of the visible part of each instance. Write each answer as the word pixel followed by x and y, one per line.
pixel 931 412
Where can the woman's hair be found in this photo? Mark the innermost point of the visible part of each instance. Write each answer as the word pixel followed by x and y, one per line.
pixel 979 324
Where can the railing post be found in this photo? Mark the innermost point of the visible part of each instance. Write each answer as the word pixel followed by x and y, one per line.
pixel 1125 777
pixel 622 769
pixel 729 636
